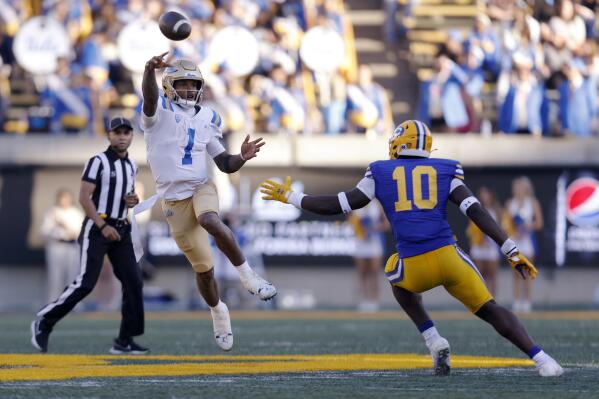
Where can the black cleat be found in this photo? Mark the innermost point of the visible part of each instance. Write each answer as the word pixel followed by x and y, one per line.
pixel 127 348
pixel 39 338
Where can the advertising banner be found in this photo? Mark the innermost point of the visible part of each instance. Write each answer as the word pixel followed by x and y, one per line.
pixel 577 218
pixel 568 199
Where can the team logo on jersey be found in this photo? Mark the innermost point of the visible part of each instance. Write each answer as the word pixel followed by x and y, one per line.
pixel 582 202
pixel 177 118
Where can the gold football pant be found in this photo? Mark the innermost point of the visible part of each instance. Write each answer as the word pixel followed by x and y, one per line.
pixel 448 266
pixel 190 236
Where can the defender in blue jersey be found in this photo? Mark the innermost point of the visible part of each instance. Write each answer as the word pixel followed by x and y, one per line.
pixel 414 190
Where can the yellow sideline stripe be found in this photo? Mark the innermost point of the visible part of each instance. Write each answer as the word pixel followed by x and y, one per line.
pixel 27 367
pixel 338 315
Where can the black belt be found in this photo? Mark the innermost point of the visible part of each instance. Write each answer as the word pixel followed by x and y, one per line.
pixel 117 223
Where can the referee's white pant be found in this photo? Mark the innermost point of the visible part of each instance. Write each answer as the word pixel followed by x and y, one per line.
pixel 93 249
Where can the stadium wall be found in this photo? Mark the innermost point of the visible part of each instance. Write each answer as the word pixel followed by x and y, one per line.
pixel 32 168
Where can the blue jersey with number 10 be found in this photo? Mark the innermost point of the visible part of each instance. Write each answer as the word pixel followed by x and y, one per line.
pixel 414 194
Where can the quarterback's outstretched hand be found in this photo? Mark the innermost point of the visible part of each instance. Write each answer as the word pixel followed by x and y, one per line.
pixel 157 62
pixel 523 266
pixel 249 149
pixel 274 191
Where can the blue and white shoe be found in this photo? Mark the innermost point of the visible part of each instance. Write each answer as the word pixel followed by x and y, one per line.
pixel 440 352
pixel 221 322
pixel 256 285
pixel 548 367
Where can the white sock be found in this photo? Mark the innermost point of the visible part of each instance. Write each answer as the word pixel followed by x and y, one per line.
pixel 430 335
pixel 541 357
pixel 219 308
pixel 244 270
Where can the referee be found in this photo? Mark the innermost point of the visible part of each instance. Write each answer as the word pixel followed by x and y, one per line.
pixel 107 192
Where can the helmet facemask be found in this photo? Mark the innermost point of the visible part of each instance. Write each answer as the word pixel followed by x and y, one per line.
pixel 186 100
pixel 183 70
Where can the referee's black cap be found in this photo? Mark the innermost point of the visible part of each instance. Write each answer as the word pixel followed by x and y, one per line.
pixel 119 121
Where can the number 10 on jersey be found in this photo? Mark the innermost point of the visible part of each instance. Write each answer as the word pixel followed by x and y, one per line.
pixel 405 204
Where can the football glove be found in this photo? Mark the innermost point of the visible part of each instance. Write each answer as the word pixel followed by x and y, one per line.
pixel 274 191
pixel 523 266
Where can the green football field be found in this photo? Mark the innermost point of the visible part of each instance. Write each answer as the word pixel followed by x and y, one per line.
pixel 297 355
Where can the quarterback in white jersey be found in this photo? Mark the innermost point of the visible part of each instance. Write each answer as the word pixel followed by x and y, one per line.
pixel 178 140
pixel 178 134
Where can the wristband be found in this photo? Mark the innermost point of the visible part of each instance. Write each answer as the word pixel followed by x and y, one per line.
pixel 242 158
pixel 467 203
pixel 343 202
pixel 104 225
pixel 509 248
pixel 295 199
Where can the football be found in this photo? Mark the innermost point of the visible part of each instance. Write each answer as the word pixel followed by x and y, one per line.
pixel 174 25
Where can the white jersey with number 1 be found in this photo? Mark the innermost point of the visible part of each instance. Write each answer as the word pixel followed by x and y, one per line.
pixel 177 141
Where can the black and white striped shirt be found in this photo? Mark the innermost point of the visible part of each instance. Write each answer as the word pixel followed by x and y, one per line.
pixel 114 177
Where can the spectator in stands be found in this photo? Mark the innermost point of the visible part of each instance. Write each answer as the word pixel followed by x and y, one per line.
pixel 287 114
pixel 333 103
pixel 68 95
pixel 522 219
pixel 75 16
pixel 312 119
pixel 501 10
pixel 60 229
pixel 578 99
pixel 522 36
pixel 238 114
pixel 520 104
pixel 484 251
pixel 567 25
pixel 473 81
pixel 453 48
pixel 484 36
pixel 441 105
pixel 563 36
pixel 368 104
pixel 586 10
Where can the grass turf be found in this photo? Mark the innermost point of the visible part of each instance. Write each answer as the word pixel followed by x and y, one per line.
pixel 574 343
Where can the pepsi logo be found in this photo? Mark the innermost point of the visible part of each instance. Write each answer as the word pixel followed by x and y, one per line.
pixel 582 202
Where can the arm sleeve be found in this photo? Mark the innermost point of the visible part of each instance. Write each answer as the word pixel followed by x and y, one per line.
pixel 91 171
pixel 367 185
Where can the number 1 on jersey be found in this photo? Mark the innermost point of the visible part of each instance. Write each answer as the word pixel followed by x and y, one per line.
pixel 403 203
pixel 191 134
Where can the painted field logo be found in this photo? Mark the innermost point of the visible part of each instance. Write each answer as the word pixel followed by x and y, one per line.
pixel 28 367
pixel 582 202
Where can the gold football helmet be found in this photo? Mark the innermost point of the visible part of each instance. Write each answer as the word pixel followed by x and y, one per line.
pixel 411 137
pixel 182 70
